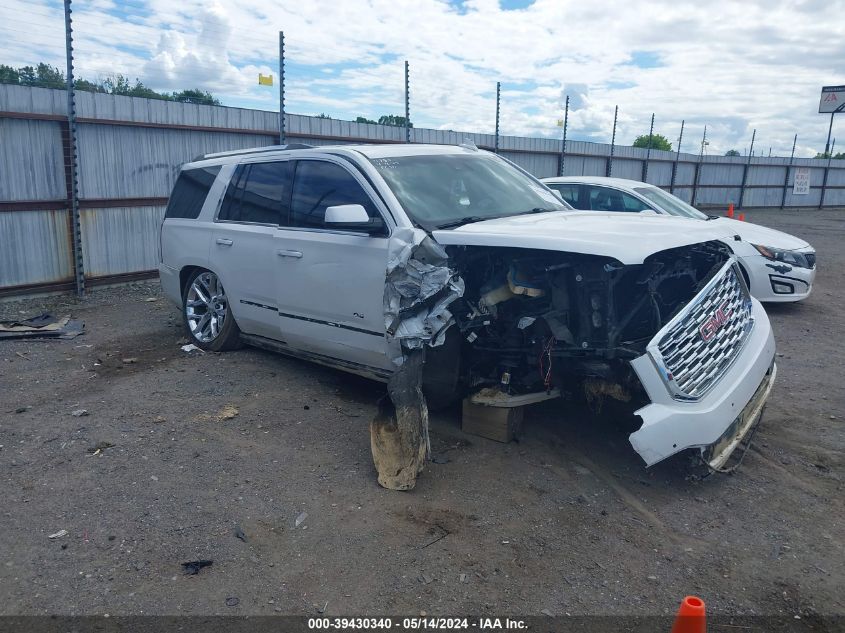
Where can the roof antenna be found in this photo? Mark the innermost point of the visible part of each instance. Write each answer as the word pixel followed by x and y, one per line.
pixel 468 144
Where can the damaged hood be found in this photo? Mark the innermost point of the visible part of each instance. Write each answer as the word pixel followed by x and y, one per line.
pixel 628 238
pixel 756 234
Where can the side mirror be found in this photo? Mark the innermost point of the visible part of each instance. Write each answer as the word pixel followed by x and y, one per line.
pixel 352 217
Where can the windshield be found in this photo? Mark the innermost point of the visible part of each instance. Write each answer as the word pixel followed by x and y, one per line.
pixel 446 190
pixel 669 203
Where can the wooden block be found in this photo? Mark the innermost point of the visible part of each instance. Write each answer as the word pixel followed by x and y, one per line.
pixel 495 423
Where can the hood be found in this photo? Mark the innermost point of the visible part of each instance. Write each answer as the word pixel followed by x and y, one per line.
pixel 628 237
pixel 756 234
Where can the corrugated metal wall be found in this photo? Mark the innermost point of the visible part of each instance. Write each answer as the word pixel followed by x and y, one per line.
pixel 130 150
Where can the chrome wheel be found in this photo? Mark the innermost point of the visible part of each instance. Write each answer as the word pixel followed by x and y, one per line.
pixel 206 307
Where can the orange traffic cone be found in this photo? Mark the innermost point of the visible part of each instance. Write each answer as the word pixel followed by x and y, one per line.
pixel 742 217
pixel 690 618
pixel 731 210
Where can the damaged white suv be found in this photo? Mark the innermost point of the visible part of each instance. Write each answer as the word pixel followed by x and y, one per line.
pixel 361 256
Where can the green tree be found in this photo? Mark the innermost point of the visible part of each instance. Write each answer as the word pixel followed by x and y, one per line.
pixel 837 156
pixel 49 77
pixel 362 119
pixel 87 86
pixel 195 95
pixel 732 152
pixel 658 141
pixel 393 119
pixel 9 75
pixel 322 115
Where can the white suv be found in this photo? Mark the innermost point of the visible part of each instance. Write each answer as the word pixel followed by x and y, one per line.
pixel 353 256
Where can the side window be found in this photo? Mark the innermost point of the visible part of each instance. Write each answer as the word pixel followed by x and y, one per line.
pixel 568 193
pixel 190 191
pixel 633 204
pixel 319 184
pixel 602 199
pixel 258 193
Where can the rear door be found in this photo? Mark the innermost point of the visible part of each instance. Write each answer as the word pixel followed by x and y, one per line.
pixel 330 283
pixel 608 199
pixel 571 193
pixel 243 244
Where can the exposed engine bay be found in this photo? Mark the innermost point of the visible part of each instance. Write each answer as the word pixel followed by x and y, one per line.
pixel 534 320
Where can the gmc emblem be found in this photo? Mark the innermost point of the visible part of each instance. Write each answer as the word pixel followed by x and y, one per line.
pixel 714 322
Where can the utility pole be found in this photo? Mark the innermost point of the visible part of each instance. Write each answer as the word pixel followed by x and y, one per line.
pixel 826 172
pixel 407 105
pixel 648 150
pixel 498 88
pixel 829 130
pixel 698 167
pixel 746 168
pixel 281 87
pixel 71 159
pixel 563 143
pixel 609 169
pixel 786 176
pixel 677 158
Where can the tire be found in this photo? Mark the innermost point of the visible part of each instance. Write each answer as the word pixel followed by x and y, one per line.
pixel 206 313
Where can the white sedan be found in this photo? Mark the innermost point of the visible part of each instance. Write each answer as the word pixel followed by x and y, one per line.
pixel 778 267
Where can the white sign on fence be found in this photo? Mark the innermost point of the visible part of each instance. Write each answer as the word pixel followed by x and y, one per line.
pixel 833 99
pixel 801 181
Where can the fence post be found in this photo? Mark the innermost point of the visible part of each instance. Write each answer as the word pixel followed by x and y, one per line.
pixel 609 168
pixel 407 105
pixel 788 168
pixel 745 170
pixel 281 87
pixel 71 167
pixel 677 157
pixel 826 172
pixel 562 161
pixel 697 176
pixel 648 149
pixel 498 88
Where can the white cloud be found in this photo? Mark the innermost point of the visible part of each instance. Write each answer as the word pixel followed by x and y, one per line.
pixel 734 66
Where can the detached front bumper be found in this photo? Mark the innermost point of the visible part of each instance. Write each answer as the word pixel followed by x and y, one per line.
pixel 717 422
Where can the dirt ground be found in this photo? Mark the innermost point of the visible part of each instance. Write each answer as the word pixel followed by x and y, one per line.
pixel 567 520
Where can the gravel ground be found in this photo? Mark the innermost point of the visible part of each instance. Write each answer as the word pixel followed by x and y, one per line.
pixel 208 446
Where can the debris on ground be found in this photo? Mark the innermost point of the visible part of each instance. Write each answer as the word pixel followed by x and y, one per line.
pixel 129 361
pixel 58 534
pixel 300 519
pixel 22 409
pixel 227 413
pixel 192 568
pixel 151 299
pixel 45 325
pixel 232 601
pixel 190 347
pixel 78 413
pixel 239 533
pixel 159 419
pixel 99 447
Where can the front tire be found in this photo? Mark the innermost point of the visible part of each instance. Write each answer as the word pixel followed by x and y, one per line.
pixel 207 315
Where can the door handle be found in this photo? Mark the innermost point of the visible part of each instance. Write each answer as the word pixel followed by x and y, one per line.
pixel 224 241
pixel 294 254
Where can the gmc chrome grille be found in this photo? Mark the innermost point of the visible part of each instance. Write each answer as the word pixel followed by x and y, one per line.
pixel 698 346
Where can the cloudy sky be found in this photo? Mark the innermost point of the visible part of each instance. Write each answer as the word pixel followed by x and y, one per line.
pixel 732 65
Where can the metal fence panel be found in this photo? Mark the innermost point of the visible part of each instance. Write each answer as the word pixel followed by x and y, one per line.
pixel 120 240
pixel 31 163
pixel 35 248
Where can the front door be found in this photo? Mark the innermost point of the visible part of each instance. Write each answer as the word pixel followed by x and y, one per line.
pixel 330 283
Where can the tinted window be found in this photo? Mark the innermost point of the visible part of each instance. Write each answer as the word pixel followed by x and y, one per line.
pixel 567 192
pixel 602 199
pixel 257 193
pixel 190 191
pixel 318 185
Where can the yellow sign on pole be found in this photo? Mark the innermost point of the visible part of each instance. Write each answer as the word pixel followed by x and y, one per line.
pixel 265 80
pixel 560 122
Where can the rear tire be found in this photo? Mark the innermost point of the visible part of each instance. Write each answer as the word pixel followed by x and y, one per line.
pixel 207 315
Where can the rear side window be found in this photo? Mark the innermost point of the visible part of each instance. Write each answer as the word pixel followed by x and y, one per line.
pixel 568 193
pixel 320 184
pixel 190 191
pixel 258 193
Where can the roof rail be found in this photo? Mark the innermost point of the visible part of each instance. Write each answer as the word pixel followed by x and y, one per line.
pixel 255 150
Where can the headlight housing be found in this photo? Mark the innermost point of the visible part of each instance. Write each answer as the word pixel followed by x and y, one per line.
pixel 794 258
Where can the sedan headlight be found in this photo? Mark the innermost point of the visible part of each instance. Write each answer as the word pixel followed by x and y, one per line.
pixel 801 260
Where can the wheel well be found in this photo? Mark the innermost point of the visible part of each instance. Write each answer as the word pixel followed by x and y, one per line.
pixel 185 275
